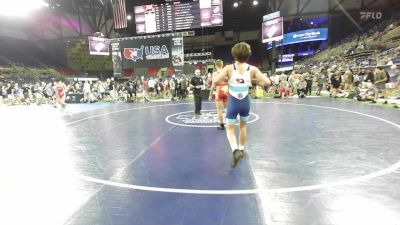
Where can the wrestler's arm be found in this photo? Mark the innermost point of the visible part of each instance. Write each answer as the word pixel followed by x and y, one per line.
pixel 262 80
pixel 222 75
pixel 213 85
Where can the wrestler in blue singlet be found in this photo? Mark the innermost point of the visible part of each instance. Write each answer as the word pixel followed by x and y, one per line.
pixel 238 100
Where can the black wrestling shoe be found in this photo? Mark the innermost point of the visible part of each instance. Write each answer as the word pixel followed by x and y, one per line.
pixel 221 127
pixel 237 155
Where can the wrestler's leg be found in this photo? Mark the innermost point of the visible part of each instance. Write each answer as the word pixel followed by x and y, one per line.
pixel 220 111
pixel 231 115
pixel 243 134
pixel 62 101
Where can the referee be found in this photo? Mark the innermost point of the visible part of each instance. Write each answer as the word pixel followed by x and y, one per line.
pixel 196 85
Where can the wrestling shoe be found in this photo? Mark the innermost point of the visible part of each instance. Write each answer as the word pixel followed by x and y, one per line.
pixel 237 155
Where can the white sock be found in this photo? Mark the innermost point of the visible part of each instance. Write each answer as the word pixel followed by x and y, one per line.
pixel 241 147
pixel 234 147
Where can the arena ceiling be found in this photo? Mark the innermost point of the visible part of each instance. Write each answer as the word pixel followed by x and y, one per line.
pixel 244 17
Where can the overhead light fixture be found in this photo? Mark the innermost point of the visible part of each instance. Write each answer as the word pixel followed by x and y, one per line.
pixel 20 8
pixel 255 2
pixel 129 17
pixel 235 4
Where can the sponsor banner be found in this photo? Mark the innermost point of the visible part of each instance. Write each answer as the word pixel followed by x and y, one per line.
pixel 190 55
pixel 194 58
pixel 116 59
pixel 152 52
pixel 99 46
pixel 370 15
pixel 286 58
pixel 319 34
pixel 272 30
pixel 306 53
pixel 177 51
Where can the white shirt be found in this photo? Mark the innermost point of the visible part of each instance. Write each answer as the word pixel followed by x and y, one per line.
pixel 276 79
pixel 151 83
pixel 86 87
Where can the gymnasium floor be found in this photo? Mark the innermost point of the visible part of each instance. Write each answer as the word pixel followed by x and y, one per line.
pixel 309 161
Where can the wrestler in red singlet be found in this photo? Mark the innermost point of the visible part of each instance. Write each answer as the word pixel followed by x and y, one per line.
pixel 61 89
pixel 220 94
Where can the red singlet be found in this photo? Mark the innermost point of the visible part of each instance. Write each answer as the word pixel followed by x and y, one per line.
pixel 222 92
pixel 60 91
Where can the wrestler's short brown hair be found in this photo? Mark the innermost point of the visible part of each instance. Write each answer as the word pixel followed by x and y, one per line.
pixel 241 51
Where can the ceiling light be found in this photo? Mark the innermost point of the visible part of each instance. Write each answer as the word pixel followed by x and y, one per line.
pixel 129 17
pixel 20 8
pixel 255 2
pixel 235 4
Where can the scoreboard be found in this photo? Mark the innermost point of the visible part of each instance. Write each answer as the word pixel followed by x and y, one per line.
pixel 178 16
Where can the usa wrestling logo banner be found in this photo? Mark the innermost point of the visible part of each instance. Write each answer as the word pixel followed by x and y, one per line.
pixel 134 53
pixel 145 53
pixel 149 52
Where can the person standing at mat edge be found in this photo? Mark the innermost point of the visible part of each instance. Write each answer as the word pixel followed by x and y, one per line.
pixel 240 76
pixel 196 85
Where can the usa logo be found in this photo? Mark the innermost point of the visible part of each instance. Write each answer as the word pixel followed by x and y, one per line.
pixel 134 53
pixel 240 81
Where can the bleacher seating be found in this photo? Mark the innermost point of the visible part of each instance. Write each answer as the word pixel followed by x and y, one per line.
pixel 374 42
pixel 80 59
pixel 16 51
